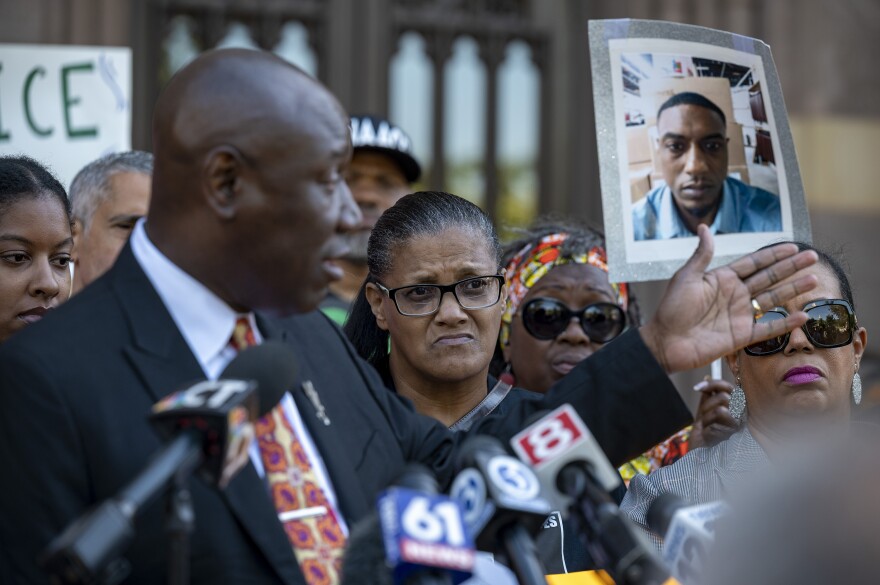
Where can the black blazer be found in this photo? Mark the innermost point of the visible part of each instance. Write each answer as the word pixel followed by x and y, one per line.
pixel 75 390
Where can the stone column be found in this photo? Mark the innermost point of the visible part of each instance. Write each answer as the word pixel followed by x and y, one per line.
pixel 438 47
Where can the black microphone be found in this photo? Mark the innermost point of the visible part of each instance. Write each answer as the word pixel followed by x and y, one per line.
pixel 688 533
pixel 416 537
pixel 209 425
pixel 561 449
pixel 364 560
pixel 503 505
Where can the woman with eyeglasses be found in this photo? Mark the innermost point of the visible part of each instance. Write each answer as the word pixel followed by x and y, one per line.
pixel 561 308
pixel 429 313
pixel 786 387
pixel 35 244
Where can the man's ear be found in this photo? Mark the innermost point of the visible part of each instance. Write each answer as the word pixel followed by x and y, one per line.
pixel 375 297
pixel 76 230
pixel 223 167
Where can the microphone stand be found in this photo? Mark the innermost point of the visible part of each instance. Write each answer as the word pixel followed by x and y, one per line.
pixel 605 533
pixel 90 549
pixel 179 524
pixel 520 550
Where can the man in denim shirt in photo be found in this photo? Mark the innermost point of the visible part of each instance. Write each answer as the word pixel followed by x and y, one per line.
pixel 692 155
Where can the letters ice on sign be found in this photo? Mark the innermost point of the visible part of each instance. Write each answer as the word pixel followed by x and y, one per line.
pixel 64 105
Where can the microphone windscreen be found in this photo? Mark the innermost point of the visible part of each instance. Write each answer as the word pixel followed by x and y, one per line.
pixel 417 477
pixel 467 452
pixel 272 365
pixel 661 511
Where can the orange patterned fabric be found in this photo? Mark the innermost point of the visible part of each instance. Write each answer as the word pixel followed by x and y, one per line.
pixel 317 539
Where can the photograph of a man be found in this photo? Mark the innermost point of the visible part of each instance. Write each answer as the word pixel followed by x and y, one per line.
pixel 692 156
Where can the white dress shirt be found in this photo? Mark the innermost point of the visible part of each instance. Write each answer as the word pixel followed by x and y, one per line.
pixel 206 323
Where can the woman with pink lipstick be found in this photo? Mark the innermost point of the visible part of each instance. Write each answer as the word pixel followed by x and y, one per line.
pixel 35 243
pixel 787 387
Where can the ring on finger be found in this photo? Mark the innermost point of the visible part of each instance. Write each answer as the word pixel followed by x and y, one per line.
pixel 756 308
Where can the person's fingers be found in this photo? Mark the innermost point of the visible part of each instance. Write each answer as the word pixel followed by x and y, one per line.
pixel 724 419
pixel 776 297
pixel 720 422
pixel 702 256
pixel 777 327
pixel 709 410
pixel 768 276
pixel 718 415
pixel 710 385
pixel 719 398
pixel 748 265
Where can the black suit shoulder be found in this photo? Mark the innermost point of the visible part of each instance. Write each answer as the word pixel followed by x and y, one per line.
pixel 75 392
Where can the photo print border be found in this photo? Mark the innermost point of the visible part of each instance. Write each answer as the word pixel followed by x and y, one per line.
pixel 634 261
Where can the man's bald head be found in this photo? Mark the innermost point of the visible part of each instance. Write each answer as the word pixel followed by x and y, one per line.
pixel 236 97
pixel 249 155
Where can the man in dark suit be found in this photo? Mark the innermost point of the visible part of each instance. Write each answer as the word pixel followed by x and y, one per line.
pixel 247 213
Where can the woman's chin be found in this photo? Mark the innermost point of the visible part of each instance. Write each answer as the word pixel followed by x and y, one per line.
pixel 457 370
pixel 808 403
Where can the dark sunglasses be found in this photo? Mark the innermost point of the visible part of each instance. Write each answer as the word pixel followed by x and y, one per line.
pixel 546 318
pixel 832 323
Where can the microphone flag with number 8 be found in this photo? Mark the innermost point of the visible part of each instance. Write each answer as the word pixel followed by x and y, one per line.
pixel 554 441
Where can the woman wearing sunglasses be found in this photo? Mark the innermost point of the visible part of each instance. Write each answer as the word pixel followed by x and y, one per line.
pixel 561 308
pixel 557 272
pixel 796 383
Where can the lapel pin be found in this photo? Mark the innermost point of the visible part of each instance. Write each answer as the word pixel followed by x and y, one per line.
pixel 313 397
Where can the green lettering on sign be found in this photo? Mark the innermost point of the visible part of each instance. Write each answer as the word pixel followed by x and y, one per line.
pixel 27 102
pixel 70 101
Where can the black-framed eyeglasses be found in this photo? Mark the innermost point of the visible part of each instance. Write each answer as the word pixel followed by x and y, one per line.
pixel 417 300
pixel 831 323
pixel 547 318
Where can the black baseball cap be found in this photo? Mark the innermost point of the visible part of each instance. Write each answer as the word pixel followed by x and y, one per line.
pixel 379 135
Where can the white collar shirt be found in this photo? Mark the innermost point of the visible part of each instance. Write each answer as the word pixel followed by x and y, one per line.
pixel 206 323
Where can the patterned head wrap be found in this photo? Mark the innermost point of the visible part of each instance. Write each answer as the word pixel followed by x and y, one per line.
pixel 534 261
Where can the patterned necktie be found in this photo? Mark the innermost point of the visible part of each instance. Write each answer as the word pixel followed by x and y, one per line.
pixel 307 516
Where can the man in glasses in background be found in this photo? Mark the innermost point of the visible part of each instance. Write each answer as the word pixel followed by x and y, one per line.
pixel 692 155
pixel 382 170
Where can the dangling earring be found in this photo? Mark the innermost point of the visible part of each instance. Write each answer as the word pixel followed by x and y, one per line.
pixel 737 402
pixel 857 389
pixel 507 376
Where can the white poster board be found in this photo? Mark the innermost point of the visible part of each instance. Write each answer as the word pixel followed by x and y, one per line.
pixel 747 161
pixel 64 105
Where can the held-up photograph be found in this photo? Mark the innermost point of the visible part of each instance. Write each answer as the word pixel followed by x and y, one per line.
pixel 700 136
